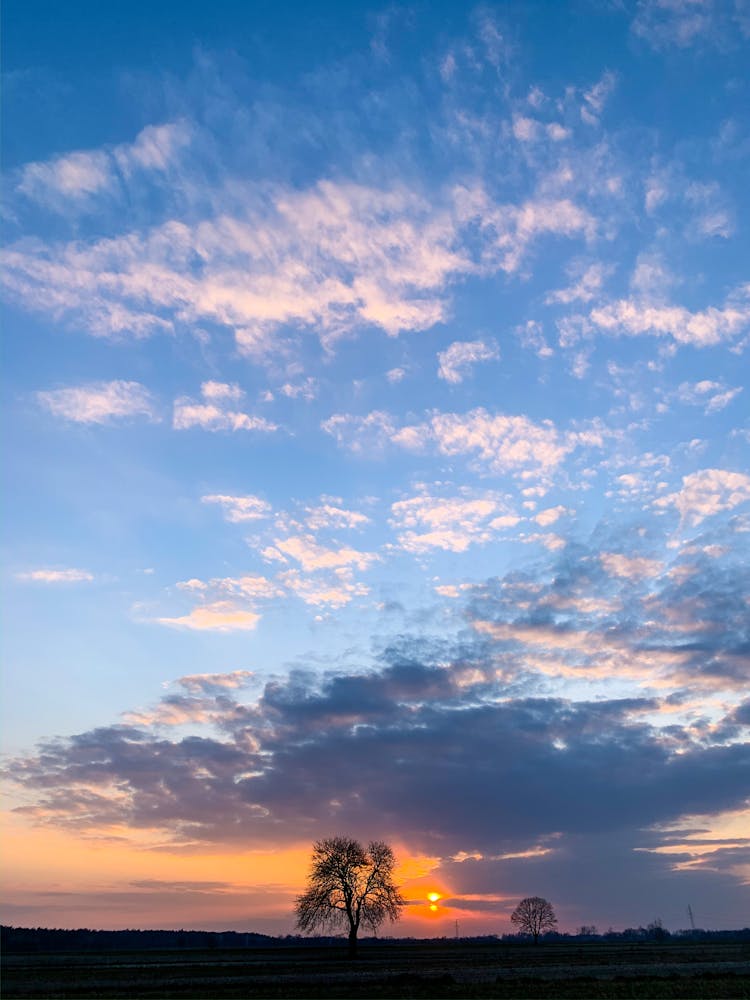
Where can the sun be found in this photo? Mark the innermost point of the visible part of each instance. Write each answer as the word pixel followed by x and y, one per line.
pixel 433 897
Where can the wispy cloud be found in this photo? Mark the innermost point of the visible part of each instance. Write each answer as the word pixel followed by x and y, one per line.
pixel 56 575
pixel 456 361
pixel 685 23
pixel 238 509
pixel 82 175
pixel 99 402
pixel 338 256
pixel 711 395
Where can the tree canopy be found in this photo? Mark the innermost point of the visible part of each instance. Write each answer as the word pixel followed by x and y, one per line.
pixel 349 886
pixel 534 915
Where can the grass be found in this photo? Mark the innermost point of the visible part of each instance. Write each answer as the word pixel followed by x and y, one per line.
pixel 391 970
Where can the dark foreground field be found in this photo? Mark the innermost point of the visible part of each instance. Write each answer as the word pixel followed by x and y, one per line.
pixel 430 969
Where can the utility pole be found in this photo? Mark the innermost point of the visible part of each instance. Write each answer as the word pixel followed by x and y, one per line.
pixel 456 930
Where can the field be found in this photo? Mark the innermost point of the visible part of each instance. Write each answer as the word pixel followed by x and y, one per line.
pixel 641 970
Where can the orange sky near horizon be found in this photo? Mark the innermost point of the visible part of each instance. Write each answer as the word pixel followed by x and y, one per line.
pixel 55 878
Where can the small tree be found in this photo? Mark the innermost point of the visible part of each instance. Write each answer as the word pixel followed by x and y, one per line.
pixel 534 915
pixel 349 886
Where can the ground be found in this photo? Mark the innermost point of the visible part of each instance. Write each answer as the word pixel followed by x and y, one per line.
pixel 640 970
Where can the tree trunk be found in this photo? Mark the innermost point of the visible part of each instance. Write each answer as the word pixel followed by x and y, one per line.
pixel 353 942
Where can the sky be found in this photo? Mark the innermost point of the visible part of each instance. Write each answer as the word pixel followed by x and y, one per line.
pixel 376 458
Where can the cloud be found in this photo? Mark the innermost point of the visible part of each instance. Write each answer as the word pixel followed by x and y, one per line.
pixel 56 576
pixel 706 493
pixel 712 396
pixel 220 616
pixel 77 175
pixel 361 434
pixel 82 175
pixel 703 328
pixel 208 683
pixel 531 336
pixel 585 288
pixel 334 591
pixel 335 258
pixel 630 567
pixel 312 556
pixel 501 443
pixel 600 690
pixel 425 522
pixel 595 98
pixel 550 515
pixel 214 414
pixel 307 390
pixel 99 402
pixel 238 509
pixel 330 515
pixel 685 23
pixel 569 769
pixel 455 362
pixel 492 442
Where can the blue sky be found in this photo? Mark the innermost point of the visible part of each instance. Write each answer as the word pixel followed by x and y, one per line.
pixel 377 442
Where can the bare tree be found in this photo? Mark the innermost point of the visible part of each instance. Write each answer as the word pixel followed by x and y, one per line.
pixel 349 886
pixel 534 915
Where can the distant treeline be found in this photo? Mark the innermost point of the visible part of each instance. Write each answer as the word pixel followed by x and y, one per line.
pixel 44 939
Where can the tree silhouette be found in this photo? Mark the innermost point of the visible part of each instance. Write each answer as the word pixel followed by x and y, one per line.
pixel 349 886
pixel 534 915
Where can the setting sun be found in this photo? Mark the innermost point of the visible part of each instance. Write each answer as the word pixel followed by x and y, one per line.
pixel 433 897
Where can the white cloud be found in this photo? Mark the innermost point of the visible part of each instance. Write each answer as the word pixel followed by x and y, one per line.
pixel 333 592
pixel 99 402
pixel 502 443
pixel 395 375
pixel 456 360
pixel 216 391
pixel 307 390
pixel 332 258
pixel 703 328
pixel 706 493
pixel 493 442
pixel 214 414
pixel 221 616
pixel 156 147
pixel 249 587
pixel 361 434
pixel 329 515
pixel 240 508
pixel 425 522
pixel 56 576
pixel 547 517
pixel 312 556
pixel 81 175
